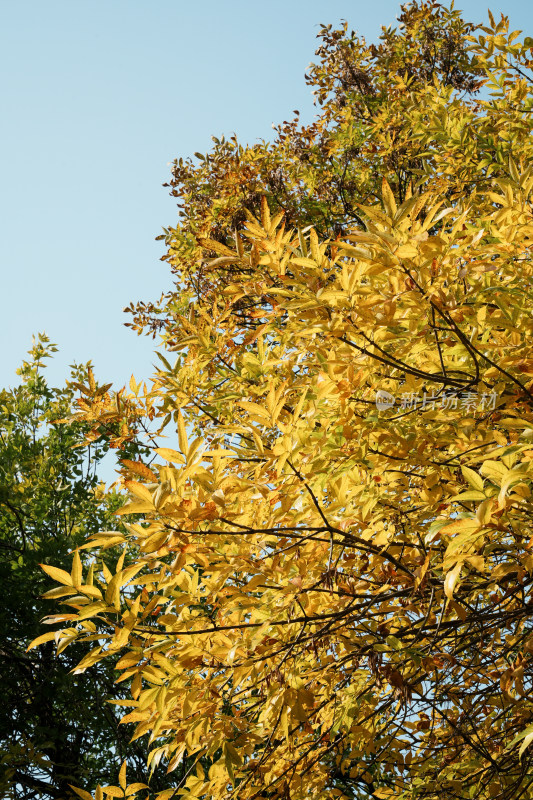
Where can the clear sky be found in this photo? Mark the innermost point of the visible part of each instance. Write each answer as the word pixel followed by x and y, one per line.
pixel 97 99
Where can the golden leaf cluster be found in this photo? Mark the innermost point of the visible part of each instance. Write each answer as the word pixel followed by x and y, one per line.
pixel 321 597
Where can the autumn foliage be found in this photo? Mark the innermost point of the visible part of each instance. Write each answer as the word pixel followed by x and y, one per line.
pixel 327 596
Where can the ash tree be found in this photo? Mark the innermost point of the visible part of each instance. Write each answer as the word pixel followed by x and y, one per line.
pixel 56 728
pixel 328 591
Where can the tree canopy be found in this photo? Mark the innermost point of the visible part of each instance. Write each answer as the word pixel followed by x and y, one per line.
pixel 328 585
pixel 56 729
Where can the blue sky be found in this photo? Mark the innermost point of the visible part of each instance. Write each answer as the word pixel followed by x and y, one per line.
pixel 98 98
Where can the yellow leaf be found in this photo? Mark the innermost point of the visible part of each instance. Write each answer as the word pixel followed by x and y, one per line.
pixel 468 524
pixel 112 592
pixel 135 787
pixel 113 791
pixel 494 470
pixel 304 262
pixel 484 512
pixel 218 453
pixel 525 744
pixel 513 476
pixel 53 618
pixel 451 580
pixel 313 241
pixel 265 213
pixel 472 478
pixel 502 570
pixel 76 573
pixel 45 637
pixel 477 561
pixel 57 574
pixel 134 508
pixel 122 775
pixel 93 609
pixel 256 409
pixel 81 793
pixel 388 198
pixel 141 469
pixel 139 490
pixel 91 591
pixel 170 455
pixel 182 434
pixel 59 591
pixel 406 251
pixel 217 247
